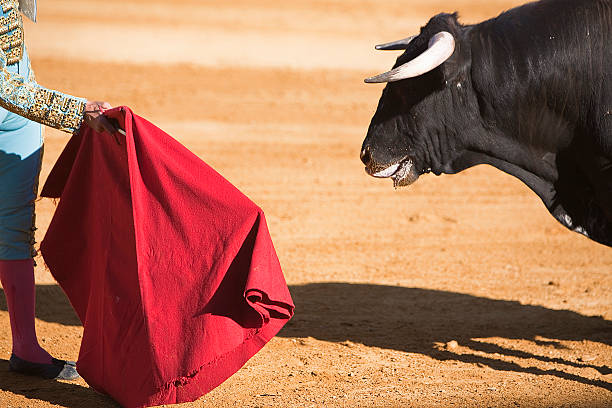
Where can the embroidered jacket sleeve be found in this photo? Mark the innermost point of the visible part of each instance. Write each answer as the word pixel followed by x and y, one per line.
pixel 23 95
pixel 34 102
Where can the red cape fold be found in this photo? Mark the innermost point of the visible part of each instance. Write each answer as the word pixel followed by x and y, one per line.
pixel 170 268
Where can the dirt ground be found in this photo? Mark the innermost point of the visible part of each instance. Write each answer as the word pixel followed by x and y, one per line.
pixel 457 291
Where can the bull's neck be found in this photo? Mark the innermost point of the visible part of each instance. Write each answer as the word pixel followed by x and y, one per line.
pixel 516 133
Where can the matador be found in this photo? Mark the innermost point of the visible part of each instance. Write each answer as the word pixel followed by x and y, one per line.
pixel 24 106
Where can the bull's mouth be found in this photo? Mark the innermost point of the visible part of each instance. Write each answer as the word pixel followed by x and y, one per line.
pixel 403 172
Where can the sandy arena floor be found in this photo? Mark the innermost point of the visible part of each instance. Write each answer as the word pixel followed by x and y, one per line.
pixel 458 291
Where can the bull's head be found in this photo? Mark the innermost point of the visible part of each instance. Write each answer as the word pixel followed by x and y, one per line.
pixel 422 111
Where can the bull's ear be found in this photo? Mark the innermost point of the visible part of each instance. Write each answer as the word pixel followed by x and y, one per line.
pixel 456 68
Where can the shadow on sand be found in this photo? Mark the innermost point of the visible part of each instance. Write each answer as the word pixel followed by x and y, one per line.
pixel 62 394
pixel 414 320
pixel 52 305
pixel 405 319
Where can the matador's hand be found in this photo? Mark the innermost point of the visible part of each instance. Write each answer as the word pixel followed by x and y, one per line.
pixel 95 119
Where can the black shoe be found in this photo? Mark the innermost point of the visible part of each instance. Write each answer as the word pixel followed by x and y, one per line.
pixel 58 369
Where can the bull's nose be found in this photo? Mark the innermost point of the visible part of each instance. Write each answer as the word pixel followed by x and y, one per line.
pixel 365 155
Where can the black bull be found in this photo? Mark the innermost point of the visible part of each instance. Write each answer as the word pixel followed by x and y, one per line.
pixel 529 92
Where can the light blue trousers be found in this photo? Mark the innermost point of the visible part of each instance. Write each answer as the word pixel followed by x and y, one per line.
pixel 21 146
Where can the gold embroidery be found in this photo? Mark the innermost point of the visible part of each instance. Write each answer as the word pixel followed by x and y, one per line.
pixel 12 45
pixel 23 96
pixel 9 4
pixel 56 110
pixel 11 32
pixel 11 40
pixel 10 22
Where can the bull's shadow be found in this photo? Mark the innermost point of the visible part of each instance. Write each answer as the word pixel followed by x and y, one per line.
pixel 411 320
pixel 414 320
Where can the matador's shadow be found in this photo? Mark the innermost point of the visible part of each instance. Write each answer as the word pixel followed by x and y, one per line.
pixel 414 320
pixel 69 395
pixel 53 306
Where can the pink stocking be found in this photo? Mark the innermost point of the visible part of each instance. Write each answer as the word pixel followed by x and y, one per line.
pixel 17 279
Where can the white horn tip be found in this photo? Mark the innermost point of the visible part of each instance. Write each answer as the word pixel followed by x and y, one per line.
pixel 441 48
pixel 378 79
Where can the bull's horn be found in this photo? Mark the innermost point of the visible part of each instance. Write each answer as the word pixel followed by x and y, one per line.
pixel 441 47
pixel 396 45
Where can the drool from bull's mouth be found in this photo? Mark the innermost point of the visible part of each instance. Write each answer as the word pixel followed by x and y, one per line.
pixel 401 173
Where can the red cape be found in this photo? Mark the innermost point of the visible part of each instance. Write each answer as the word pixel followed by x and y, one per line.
pixel 169 267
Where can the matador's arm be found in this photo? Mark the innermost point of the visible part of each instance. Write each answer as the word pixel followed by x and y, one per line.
pixel 34 102
pixel 24 96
